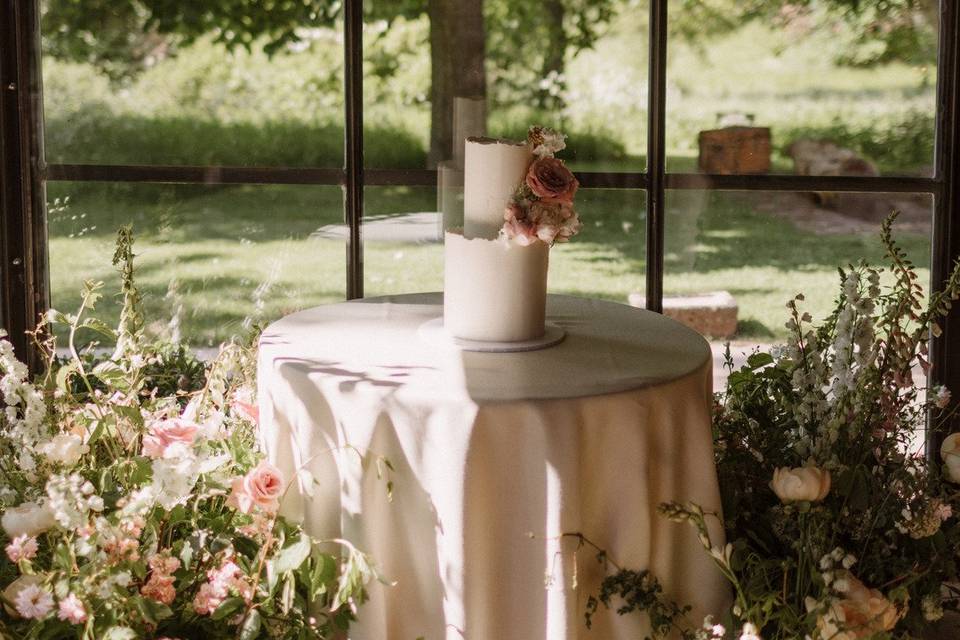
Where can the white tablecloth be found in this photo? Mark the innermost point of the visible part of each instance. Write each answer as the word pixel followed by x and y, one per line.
pixel 496 456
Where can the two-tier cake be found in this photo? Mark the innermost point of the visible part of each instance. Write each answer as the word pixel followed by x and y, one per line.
pixel 517 203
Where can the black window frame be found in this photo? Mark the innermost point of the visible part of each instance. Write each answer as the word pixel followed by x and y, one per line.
pixel 23 243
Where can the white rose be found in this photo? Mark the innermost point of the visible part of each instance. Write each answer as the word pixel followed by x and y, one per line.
pixel 810 484
pixel 950 454
pixel 28 519
pixel 65 448
pixel 14 588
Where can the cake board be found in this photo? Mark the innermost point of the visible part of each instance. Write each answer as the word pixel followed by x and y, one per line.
pixel 433 333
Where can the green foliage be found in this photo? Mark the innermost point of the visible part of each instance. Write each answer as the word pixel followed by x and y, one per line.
pixel 867 547
pixel 639 591
pixel 872 32
pixel 145 538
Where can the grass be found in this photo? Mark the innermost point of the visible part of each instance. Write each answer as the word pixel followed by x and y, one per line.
pixel 230 255
pixel 230 259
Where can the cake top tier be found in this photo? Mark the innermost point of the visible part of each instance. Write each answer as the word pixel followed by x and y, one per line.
pixel 487 140
pixel 493 169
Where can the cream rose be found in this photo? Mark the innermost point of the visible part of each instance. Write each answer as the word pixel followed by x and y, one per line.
pixel 261 487
pixel 810 484
pixel 29 519
pixel 950 454
pixel 65 448
pixel 14 588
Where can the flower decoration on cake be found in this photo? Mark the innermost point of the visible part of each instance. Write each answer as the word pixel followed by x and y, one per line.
pixel 542 206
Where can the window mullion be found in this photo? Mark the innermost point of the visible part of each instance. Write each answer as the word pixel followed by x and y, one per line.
pixel 656 123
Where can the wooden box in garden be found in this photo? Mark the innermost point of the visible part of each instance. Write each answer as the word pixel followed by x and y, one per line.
pixel 735 150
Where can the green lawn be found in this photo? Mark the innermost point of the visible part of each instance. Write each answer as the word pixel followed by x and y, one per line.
pixel 246 252
pixel 225 255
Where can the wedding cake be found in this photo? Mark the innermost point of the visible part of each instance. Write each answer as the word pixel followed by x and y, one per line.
pixel 518 201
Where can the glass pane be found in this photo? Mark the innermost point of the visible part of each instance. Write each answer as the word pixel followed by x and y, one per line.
pixel 402 241
pixel 211 260
pixel 120 89
pixel 733 259
pixel 403 250
pixel 579 67
pixel 811 88
pixel 607 259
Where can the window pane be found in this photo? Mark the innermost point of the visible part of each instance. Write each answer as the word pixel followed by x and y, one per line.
pixel 210 260
pixel 759 249
pixel 579 67
pixel 119 92
pixel 403 250
pixel 402 241
pixel 805 88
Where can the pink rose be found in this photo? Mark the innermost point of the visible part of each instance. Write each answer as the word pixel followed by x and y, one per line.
pixel 551 181
pixel 164 433
pixel 23 547
pixel 261 487
pixel 517 226
pixel 72 610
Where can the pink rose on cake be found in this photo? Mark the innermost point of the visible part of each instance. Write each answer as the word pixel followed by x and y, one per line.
pixel 548 222
pixel 541 208
pixel 551 181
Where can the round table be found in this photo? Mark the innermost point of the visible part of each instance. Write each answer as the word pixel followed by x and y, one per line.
pixel 495 456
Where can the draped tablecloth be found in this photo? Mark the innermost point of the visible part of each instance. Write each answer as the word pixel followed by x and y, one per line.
pixel 495 456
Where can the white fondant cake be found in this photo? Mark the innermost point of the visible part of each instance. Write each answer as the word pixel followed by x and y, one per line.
pixel 493 169
pixel 494 288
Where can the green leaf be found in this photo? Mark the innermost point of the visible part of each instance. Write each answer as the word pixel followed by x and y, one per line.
pixel 112 374
pixel 62 557
pixel 152 611
pixel 293 555
pixel 251 626
pixel 759 359
pixel 228 607
pixel 100 327
pixel 64 374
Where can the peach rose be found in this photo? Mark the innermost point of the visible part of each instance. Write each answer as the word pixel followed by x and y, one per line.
pixel 863 613
pixel 551 181
pixel 810 484
pixel 261 487
pixel 164 433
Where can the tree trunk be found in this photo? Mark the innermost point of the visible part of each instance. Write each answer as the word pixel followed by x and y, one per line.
pixel 457 51
pixel 554 56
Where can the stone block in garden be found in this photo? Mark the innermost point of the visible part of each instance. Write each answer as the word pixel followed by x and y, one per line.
pixel 711 314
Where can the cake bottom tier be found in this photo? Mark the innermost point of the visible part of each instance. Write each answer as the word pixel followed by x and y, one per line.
pixel 494 290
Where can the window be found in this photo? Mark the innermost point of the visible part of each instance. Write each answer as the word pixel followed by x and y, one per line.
pixel 260 148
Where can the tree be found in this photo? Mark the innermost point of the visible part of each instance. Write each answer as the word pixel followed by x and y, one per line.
pixel 882 31
pixel 530 39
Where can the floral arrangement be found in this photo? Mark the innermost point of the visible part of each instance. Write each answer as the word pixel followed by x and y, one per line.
pixel 837 526
pixel 135 502
pixel 542 206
